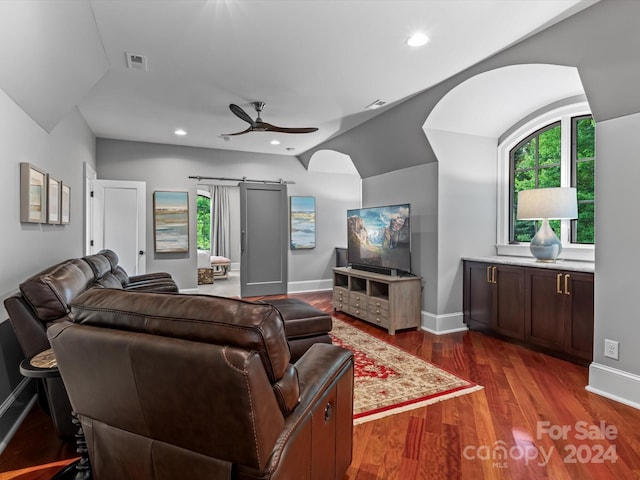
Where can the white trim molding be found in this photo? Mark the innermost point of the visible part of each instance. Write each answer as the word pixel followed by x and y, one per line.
pixel 444 323
pixel 615 384
pixel 310 286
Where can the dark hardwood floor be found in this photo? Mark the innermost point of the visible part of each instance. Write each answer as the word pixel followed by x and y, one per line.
pixel 533 420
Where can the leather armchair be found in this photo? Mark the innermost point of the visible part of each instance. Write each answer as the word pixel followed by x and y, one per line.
pixel 105 265
pixel 43 300
pixel 193 386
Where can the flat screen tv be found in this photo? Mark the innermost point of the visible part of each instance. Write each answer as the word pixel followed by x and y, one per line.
pixel 379 239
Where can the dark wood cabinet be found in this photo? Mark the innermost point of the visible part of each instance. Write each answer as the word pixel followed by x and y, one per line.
pixel 494 300
pixel 560 311
pixel 508 316
pixel 579 315
pixel 478 295
pixel 545 308
pixel 545 300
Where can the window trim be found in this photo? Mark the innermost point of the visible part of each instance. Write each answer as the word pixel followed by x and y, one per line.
pixel 570 251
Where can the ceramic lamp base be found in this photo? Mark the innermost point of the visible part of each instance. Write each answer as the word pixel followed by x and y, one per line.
pixel 545 245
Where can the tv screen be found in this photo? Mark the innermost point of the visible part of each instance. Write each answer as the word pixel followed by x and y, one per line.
pixel 380 237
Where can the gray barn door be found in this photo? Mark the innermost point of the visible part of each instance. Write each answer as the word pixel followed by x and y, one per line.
pixel 264 244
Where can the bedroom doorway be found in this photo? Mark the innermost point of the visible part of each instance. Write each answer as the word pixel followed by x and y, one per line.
pixel 218 234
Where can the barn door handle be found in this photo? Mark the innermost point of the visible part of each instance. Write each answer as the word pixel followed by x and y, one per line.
pixel 243 235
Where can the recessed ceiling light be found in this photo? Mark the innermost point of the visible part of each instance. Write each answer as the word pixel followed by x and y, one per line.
pixel 275 142
pixel 180 132
pixel 417 39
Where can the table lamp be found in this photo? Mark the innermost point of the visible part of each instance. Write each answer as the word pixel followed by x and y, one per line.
pixel 544 204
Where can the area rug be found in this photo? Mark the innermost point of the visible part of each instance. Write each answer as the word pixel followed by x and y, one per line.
pixel 389 380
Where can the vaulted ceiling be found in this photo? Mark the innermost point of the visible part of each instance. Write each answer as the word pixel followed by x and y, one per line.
pixel 316 63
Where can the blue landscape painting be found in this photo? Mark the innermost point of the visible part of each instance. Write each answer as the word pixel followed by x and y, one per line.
pixel 303 222
pixel 171 218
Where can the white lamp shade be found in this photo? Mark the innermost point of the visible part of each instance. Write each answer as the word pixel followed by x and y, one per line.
pixel 554 203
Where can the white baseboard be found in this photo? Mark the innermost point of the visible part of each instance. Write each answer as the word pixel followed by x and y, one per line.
pixel 310 286
pixel 443 324
pixel 615 384
pixel 189 290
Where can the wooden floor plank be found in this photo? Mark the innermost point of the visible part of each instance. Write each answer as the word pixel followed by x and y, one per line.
pixel 453 439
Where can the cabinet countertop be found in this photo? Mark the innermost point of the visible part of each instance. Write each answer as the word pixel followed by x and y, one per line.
pixel 574 266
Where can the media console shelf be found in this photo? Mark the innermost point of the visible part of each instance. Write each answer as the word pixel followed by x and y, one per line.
pixel 391 302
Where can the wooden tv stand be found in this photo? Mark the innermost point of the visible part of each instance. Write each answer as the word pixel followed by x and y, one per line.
pixel 391 302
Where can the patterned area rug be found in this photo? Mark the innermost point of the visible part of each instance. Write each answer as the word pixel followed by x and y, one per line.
pixel 389 380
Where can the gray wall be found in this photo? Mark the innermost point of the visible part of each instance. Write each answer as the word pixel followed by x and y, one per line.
pixel 25 248
pixel 167 167
pixel 453 209
pixel 419 187
pixel 467 210
pixel 617 234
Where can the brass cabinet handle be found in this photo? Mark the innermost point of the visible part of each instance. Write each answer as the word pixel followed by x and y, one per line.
pixel 491 275
pixel 566 284
pixel 558 287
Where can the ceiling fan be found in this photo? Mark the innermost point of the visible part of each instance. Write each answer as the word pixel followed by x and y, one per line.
pixel 258 125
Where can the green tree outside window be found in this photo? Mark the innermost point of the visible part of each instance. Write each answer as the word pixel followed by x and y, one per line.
pixel 536 162
pixel 203 222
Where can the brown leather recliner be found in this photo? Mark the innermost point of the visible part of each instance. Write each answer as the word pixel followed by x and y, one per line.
pixel 43 300
pixel 190 386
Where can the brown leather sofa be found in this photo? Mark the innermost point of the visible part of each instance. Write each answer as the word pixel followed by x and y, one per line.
pixel 194 386
pixel 44 299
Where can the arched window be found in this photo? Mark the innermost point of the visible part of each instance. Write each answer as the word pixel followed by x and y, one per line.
pixel 556 149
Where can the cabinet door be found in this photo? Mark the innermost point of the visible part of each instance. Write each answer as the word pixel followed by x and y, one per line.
pixel 478 295
pixel 579 314
pixel 509 311
pixel 545 325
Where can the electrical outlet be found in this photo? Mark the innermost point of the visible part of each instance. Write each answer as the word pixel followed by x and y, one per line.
pixel 611 349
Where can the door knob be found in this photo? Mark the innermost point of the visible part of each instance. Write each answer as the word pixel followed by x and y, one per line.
pixel 141 252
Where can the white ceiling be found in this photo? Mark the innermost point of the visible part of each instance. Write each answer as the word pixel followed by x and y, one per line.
pixel 316 63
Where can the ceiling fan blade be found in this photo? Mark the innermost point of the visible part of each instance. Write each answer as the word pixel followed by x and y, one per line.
pixel 267 127
pixel 297 130
pixel 250 129
pixel 241 114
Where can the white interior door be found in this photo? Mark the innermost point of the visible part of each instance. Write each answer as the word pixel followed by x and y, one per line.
pixel 120 222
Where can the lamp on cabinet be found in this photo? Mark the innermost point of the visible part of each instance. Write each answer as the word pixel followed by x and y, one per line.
pixel 544 204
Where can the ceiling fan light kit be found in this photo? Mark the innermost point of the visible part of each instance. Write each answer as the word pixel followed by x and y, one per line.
pixel 258 125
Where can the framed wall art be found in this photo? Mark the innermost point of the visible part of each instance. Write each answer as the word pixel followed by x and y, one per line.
pixel 33 194
pixel 54 194
pixel 302 228
pixel 171 221
pixel 65 203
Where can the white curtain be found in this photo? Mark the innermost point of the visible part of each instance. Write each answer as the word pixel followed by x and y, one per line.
pixel 220 224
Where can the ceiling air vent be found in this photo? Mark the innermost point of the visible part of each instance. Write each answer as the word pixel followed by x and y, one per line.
pixel 135 61
pixel 376 104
